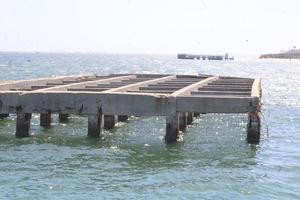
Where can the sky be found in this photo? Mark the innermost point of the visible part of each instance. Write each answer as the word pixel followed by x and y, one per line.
pixel 150 26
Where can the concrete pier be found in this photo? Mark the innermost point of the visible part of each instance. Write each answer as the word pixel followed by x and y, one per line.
pixel 63 117
pixel 95 125
pixel 23 124
pixel 45 120
pixel 204 57
pixel 105 99
pixel 110 121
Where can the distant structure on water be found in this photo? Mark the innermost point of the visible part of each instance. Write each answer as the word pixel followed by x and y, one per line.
pixel 291 54
pixel 204 57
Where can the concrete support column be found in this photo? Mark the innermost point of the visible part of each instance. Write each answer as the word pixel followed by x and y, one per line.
pixel 63 117
pixel 253 127
pixel 23 124
pixel 2 116
pixel 196 114
pixel 182 121
pixel 172 127
pixel 110 121
pixel 122 118
pixel 190 118
pixel 45 120
pixel 95 124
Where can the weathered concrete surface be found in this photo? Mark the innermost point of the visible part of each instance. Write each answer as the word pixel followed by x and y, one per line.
pixel 130 95
pixel 217 104
pixel 256 90
pixel 27 83
pixel 83 84
pixel 140 84
pixel 193 87
pixel 90 103
pixel 9 102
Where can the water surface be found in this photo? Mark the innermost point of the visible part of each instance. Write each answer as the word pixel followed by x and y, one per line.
pixel 213 161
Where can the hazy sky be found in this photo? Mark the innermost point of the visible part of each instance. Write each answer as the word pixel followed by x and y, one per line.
pixel 149 26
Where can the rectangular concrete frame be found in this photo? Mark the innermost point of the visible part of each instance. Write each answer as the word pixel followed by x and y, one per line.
pixel 119 101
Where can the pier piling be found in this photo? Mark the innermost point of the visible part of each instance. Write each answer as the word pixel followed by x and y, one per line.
pixel 110 121
pixel 95 125
pixel 182 121
pixel 172 127
pixel 253 127
pixel 190 118
pixel 63 117
pixel 45 120
pixel 23 124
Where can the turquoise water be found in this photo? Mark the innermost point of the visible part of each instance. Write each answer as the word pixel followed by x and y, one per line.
pixel 213 161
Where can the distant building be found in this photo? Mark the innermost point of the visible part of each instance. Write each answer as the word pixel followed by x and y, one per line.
pixel 290 54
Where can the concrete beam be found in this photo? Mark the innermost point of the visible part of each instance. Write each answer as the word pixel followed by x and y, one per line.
pixel 136 86
pixel 89 103
pixel 223 104
pixel 28 83
pixel 225 89
pixel 86 83
pixel 256 88
pixel 160 88
pixel 224 93
pixel 193 87
pixel 9 101
pixel 151 91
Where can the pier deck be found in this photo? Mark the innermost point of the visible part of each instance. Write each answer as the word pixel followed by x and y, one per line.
pixel 104 99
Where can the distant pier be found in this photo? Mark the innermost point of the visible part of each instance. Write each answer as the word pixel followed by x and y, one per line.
pixel 106 99
pixel 204 57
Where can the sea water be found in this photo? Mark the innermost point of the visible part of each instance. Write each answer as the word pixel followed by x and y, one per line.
pixel 213 160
